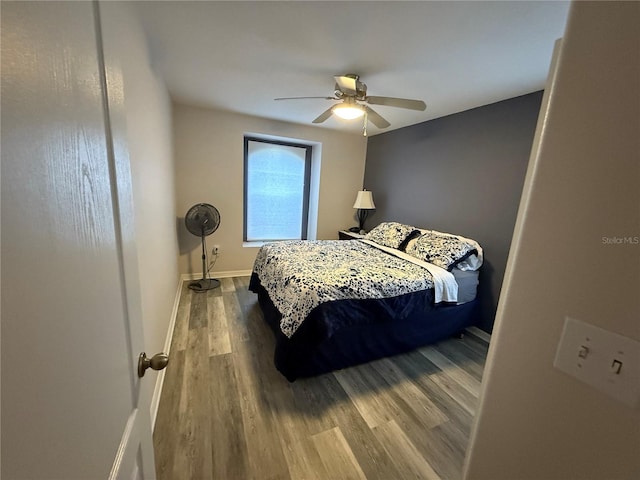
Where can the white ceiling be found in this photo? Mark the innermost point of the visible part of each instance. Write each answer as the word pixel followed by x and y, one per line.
pixel 239 56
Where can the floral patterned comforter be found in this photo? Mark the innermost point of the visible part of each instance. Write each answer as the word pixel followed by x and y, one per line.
pixel 299 275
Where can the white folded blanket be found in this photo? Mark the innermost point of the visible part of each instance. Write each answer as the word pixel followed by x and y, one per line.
pixel 445 287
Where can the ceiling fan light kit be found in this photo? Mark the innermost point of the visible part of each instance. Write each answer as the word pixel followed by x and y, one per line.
pixel 348 111
pixel 353 94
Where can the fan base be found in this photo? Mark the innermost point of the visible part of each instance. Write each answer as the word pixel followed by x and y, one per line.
pixel 204 284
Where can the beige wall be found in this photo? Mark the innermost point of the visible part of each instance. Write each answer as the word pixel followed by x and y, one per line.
pixel 149 135
pixel 209 168
pixel 535 422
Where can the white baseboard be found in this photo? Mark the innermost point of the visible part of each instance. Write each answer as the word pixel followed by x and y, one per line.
pixel 227 274
pixel 157 391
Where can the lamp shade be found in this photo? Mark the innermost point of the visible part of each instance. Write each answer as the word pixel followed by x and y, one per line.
pixel 364 200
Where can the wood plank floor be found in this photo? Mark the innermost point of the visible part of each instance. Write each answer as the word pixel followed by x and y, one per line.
pixel 226 413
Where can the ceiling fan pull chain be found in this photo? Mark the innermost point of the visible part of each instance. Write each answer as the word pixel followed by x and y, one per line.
pixel 364 126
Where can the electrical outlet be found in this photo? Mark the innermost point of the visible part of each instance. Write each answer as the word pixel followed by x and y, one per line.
pixel 215 250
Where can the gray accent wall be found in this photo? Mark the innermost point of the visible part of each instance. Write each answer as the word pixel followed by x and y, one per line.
pixel 460 174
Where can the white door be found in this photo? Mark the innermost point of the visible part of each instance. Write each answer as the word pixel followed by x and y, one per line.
pixel 72 403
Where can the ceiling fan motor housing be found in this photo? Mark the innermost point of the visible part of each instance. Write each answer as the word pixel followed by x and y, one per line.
pixel 360 91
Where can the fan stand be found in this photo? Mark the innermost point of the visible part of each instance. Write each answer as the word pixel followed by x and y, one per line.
pixel 204 283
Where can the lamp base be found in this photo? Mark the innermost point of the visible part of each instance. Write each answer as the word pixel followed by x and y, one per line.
pixel 362 215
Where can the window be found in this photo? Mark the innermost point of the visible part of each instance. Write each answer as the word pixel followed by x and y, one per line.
pixel 276 190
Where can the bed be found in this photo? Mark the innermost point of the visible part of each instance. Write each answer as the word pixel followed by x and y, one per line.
pixel 336 303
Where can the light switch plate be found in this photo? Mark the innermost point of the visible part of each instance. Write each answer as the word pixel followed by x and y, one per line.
pixel 602 359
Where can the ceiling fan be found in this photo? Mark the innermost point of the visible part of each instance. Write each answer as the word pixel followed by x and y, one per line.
pixel 352 94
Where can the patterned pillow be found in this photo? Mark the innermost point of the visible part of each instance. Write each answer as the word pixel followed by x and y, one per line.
pixel 441 249
pixel 390 234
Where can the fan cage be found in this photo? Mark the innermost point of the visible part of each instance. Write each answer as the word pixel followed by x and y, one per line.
pixel 202 214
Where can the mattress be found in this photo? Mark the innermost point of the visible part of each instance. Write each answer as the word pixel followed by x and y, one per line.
pixel 467 284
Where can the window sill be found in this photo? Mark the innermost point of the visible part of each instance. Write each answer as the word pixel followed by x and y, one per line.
pixel 257 244
pixel 253 244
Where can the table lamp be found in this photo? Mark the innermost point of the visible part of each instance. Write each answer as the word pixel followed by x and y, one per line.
pixel 364 204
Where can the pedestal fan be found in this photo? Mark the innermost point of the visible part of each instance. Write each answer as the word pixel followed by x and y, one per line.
pixel 202 220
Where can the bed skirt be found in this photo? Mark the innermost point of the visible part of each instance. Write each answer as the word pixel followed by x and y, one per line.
pixel 372 335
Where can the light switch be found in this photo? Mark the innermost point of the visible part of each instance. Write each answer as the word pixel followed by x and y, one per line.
pixel 584 351
pixel 600 358
pixel 616 366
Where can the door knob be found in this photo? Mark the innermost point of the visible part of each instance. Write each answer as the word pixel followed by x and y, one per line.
pixel 157 362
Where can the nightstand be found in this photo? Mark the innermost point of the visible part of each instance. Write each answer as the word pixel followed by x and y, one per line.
pixel 347 235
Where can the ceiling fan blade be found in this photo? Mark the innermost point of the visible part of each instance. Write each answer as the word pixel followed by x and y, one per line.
pixel 397 102
pixel 375 118
pixel 324 115
pixel 347 84
pixel 303 98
